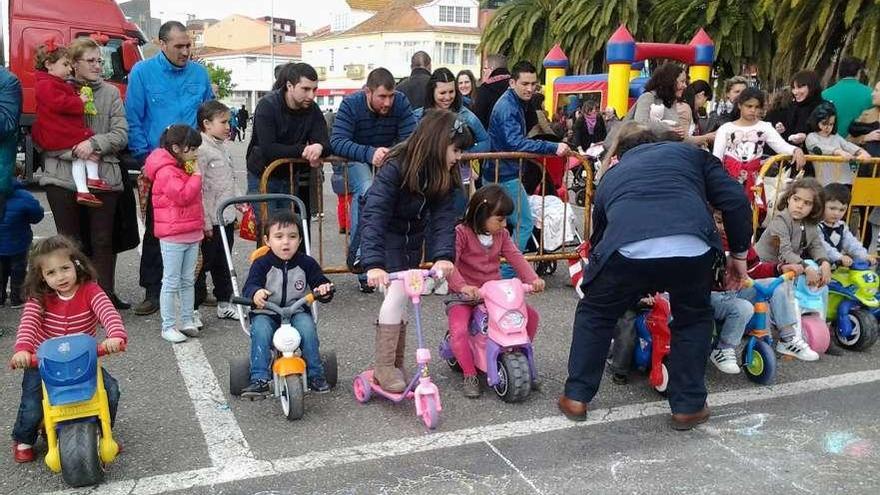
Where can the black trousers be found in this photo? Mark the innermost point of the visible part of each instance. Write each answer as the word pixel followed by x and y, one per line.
pixel 13 269
pixel 214 261
pixel 151 258
pixel 616 288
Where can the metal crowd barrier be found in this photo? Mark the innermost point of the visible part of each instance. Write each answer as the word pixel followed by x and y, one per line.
pixel 865 186
pixel 296 166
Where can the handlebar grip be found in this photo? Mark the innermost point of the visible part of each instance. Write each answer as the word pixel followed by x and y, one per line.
pixel 102 351
pixel 242 301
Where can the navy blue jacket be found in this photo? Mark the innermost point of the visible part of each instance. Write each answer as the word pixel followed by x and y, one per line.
pixel 22 209
pixel 10 112
pixel 507 132
pixel 358 131
pixel 663 189
pixel 287 280
pixel 393 222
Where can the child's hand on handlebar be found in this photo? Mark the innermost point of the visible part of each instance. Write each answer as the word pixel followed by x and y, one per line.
pixel 444 267
pixel 323 289
pixel 846 261
pixel 112 345
pixel 377 277
pixel 260 298
pixel 538 285
pixel 793 267
pixel 825 273
pixel 21 359
pixel 471 292
pixel 812 277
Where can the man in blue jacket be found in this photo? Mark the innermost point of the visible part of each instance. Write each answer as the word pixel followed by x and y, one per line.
pixel 507 131
pixel 654 232
pixel 10 113
pixel 164 90
pixel 367 125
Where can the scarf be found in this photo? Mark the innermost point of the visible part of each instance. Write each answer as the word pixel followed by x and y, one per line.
pixel 591 122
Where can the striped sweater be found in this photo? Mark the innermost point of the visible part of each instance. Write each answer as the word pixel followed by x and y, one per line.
pixel 358 131
pixel 57 317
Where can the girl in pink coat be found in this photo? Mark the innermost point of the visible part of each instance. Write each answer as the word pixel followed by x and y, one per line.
pixel 178 222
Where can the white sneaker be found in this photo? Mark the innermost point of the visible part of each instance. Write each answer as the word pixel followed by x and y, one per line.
pixel 428 287
pixel 725 360
pixel 173 336
pixel 226 311
pixel 197 319
pixel 441 288
pixel 798 348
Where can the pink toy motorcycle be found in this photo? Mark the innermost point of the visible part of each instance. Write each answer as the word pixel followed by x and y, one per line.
pixel 499 341
pixel 420 388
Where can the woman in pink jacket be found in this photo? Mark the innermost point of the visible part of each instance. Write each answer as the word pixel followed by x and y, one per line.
pixel 178 222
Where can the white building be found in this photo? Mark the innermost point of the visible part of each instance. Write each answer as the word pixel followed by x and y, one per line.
pixel 448 30
pixel 252 69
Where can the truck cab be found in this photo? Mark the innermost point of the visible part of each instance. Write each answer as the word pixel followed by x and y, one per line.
pixel 26 24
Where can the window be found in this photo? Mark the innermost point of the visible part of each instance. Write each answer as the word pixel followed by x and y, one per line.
pixel 468 54
pixel 332 59
pixel 450 53
pixel 462 15
pixel 455 15
pixel 447 13
pixel 111 66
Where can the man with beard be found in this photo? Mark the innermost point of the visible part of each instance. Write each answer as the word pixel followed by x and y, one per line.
pixel 287 123
pixel 368 123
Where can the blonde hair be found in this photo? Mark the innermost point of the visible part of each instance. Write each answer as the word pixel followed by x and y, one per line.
pixel 78 48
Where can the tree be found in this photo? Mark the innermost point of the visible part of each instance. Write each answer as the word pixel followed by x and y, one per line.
pixel 520 30
pixel 222 78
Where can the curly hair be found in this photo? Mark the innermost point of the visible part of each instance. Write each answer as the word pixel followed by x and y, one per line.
pixel 663 82
pixel 821 113
pixel 48 53
pixel 810 184
pixel 35 285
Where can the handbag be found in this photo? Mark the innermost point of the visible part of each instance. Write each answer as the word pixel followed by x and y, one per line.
pixel 248 228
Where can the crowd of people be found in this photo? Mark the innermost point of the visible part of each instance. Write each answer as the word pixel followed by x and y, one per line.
pixel 401 146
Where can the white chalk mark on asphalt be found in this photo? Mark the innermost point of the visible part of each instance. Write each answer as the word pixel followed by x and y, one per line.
pixel 513 466
pixel 224 472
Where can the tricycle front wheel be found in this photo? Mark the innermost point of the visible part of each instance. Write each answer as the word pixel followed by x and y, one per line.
pixel 292 396
pixel 80 460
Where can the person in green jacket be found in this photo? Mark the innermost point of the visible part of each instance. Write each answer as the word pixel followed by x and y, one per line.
pixel 849 95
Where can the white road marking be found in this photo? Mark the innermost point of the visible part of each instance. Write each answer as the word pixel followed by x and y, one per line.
pixel 251 469
pixel 513 466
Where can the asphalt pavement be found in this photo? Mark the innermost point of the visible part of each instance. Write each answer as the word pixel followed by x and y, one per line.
pixel 814 431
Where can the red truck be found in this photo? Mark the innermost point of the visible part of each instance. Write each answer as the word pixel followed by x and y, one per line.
pixel 27 24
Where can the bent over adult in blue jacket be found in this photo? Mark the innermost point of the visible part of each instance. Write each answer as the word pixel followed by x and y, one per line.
pixel 653 232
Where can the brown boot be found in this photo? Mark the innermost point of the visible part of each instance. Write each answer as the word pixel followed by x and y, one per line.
pixel 401 350
pixel 384 372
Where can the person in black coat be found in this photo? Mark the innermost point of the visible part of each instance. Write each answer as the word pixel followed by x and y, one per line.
pixel 589 127
pixel 496 80
pixel 806 88
pixel 416 180
pixel 415 86
pixel 654 232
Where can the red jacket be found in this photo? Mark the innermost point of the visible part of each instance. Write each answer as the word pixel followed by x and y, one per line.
pixel 60 122
pixel 177 196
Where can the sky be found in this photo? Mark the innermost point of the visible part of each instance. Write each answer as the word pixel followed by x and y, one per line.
pixel 309 14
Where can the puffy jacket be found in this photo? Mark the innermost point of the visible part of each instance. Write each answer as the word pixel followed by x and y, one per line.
pixel 218 179
pixel 10 112
pixel 60 122
pixel 177 197
pixel 22 209
pixel 507 131
pixel 160 94
pixel 393 222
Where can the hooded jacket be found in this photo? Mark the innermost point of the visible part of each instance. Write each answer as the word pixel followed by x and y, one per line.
pixel 60 122
pixel 22 210
pixel 177 197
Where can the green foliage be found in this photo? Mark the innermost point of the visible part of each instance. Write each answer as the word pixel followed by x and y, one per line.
pixel 779 37
pixel 222 78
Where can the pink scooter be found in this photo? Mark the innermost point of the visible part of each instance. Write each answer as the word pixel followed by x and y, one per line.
pixel 420 388
pixel 499 341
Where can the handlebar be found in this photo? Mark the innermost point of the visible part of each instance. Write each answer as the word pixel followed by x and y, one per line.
pixel 401 275
pixel 765 290
pixel 102 351
pixel 286 311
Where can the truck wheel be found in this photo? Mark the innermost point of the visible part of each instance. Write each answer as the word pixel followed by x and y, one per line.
pixel 513 377
pixel 864 331
pixel 80 459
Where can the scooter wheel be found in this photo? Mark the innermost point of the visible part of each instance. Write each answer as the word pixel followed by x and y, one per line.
pixel 760 367
pixel 815 333
pixel 430 414
pixel 664 384
pixel 513 377
pixel 362 389
pixel 864 331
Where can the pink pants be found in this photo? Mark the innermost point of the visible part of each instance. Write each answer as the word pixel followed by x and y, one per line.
pixel 459 318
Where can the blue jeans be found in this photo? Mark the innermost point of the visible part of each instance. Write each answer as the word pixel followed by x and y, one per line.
pixel 360 178
pixel 263 328
pixel 30 411
pixel 781 306
pixel 734 314
pixel 520 219
pixel 178 281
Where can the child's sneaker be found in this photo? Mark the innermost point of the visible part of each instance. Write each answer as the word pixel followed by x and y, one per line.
pixel 428 286
pixel 319 385
pixel 89 199
pixel 173 336
pixel 22 452
pixel 190 330
pixel 441 288
pixel 98 185
pixel 470 387
pixel 364 287
pixel 197 319
pixel 798 348
pixel 226 311
pixel 725 360
pixel 257 389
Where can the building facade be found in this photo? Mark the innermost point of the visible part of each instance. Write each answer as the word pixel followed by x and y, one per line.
pixel 238 32
pixel 448 30
pixel 138 11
